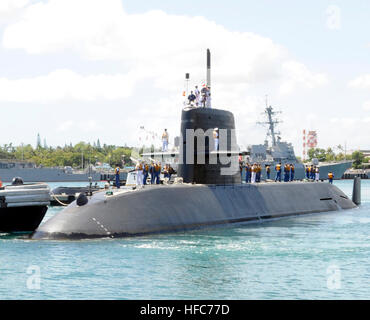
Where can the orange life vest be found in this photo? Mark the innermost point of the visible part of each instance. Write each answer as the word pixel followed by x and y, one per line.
pixel 330 175
pixel 117 170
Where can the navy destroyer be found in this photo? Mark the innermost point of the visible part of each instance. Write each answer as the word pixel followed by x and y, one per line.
pixel 207 191
pixel 277 151
pixel 29 172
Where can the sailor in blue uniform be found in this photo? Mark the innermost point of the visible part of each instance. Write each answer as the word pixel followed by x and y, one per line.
pixel 292 170
pixel 117 172
pixel 152 173
pixel 145 172
pixel 278 172
pixel 268 171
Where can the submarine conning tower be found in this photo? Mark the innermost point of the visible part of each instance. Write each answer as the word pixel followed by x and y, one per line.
pixel 200 163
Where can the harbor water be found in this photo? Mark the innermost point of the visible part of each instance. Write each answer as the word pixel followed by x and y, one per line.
pixel 318 256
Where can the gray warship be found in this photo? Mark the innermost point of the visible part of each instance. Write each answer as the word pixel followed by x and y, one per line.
pixel 208 191
pixel 29 172
pixel 277 151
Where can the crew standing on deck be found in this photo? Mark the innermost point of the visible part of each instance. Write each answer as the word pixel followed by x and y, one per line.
pixel 259 173
pixel 317 174
pixel 254 172
pixel 191 98
pixel 197 96
pixel 157 172
pixel 165 141
pixel 208 101
pixel 117 172
pixel 268 172
pixel 313 172
pixel 286 172
pixel 204 93
pixel 241 168
pixel 292 171
pixel 247 172
pixel 308 172
pixel 145 173
pixel 331 177
pixel 152 172
pixel 139 174
pixel 216 138
pixel 278 172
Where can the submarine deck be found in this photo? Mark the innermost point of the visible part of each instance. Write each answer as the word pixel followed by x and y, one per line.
pixel 166 208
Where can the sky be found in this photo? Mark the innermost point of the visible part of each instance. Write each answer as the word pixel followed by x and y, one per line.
pixel 82 70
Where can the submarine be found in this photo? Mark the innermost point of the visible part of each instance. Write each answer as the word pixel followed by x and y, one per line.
pixel 208 191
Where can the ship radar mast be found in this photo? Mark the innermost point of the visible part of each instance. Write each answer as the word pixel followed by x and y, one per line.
pixel 272 121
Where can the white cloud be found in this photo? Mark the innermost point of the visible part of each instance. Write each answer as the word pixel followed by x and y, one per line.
pixel 10 8
pixel 366 106
pixel 66 84
pixel 297 74
pixel 156 49
pixel 362 82
pixel 155 44
pixel 333 17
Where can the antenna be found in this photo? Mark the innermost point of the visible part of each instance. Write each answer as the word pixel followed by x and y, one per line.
pixel 208 68
pixel 271 122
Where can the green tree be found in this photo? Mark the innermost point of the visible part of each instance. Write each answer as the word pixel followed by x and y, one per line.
pixel 358 158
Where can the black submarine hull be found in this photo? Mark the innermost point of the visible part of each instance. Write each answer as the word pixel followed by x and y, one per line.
pixel 158 209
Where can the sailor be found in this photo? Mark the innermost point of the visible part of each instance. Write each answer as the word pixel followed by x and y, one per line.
pixel 286 172
pixel 241 168
pixel 170 172
pixel 204 93
pixel 331 177
pixel 312 172
pixel 268 172
pixel 246 172
pixel 254 172
pixel 152 172
pixel 317 174
pixel 258 173
pixel 292 170
pixel 145 173
pixel 208 101
pixel 157 172
pixel 165 141
pixel 191 98
pixel 197 96
pixel 117 172
pixel 216 138
pixel 278 172
pixel 308 172
pixel 139 174
pixel 165 171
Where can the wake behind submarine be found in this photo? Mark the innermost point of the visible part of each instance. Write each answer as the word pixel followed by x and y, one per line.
pixel 211 192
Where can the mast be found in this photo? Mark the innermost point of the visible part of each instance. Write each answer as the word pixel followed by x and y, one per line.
pixel 208 68
pixel 271 122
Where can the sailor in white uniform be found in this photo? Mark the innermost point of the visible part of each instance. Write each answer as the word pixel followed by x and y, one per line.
pixel 139 174
pixel 197 96
pixel 216 138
